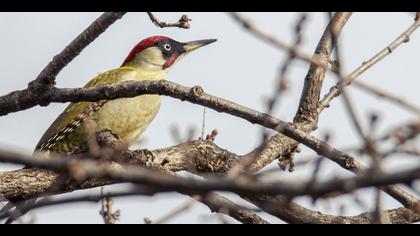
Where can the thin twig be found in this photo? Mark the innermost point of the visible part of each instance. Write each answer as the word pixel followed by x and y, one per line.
pixel 183 22
pixel 338 88
pixel 347 100
pixel 178 210
pixel 106 212
pixel 203 123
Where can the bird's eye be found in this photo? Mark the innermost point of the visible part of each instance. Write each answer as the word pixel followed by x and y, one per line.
pixel 167 47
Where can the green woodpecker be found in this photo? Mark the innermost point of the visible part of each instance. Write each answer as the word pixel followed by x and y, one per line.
pixel 127 118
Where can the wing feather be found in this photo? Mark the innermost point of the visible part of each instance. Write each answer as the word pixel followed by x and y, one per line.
pixel 75 113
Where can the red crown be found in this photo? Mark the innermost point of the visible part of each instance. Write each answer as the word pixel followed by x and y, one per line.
pixel 145 43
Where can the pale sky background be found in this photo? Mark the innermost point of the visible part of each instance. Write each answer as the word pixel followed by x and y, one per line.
pixel 237 67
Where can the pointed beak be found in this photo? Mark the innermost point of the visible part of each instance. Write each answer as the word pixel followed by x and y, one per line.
pixel 190 46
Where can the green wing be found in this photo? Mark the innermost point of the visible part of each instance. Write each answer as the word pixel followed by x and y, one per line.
pixel 65 134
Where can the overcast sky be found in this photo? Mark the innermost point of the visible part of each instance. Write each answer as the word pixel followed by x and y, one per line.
pixel 237 67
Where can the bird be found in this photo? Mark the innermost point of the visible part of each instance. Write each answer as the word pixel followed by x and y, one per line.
pixel 126 118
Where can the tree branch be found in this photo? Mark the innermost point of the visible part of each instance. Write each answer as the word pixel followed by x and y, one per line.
pixel 307 110
pixel 183 22
pixel 282 208
pixel 27 183
pixel 185 156
pixel 337 89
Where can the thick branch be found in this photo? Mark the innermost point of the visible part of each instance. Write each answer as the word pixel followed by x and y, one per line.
pixel 282 208
pixel 307 111
pixel 279 144
pixel 205 157
pixel 197 157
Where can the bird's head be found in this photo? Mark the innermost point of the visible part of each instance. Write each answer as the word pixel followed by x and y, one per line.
pixel 161 52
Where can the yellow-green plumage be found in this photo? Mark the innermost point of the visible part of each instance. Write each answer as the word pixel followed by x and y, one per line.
pixel 125 117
